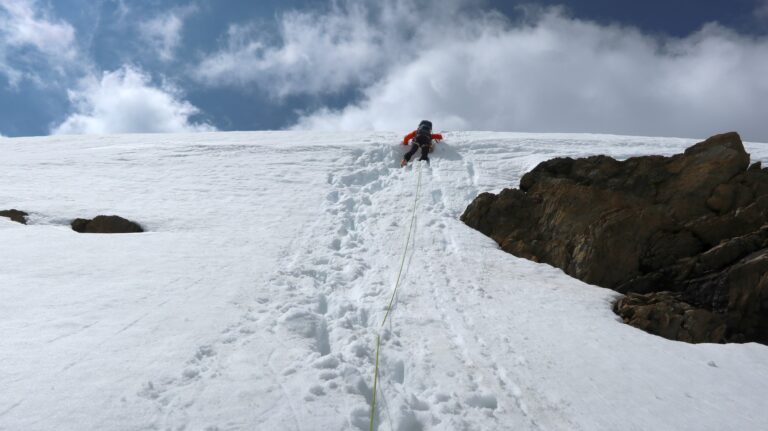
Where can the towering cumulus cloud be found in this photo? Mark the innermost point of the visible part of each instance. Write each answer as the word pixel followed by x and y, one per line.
pixel 124 101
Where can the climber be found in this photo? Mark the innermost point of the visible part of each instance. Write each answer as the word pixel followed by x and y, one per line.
pixel 420 138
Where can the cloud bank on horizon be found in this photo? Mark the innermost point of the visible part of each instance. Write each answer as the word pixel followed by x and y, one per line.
pixel 393 63
pixel 553 73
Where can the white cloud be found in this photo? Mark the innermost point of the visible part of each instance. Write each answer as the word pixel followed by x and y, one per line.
pixel 24 24
pixel 13 75
pixel 321 53
pixel 124 101
pixel 164 32
pixel 551 73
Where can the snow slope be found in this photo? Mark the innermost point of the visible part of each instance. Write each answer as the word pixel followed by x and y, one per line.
pixel 254 300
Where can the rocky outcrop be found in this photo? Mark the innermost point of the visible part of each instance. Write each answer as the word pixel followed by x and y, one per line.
pixel 692 224
pixel 106 224
pixel 665 314
pixel 15 215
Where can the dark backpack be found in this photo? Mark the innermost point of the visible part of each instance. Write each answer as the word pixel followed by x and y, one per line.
pixel 424 133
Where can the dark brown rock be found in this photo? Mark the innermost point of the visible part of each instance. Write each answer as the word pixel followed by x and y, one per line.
pixel 667 315
pixel 692 224
pixel 747 288
pixel 15 215
pixel 80 224
pixel 106 224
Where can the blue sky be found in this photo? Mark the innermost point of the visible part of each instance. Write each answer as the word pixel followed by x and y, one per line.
pixel 665 68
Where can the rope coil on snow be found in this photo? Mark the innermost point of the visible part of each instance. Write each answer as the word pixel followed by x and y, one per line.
pixel 392 298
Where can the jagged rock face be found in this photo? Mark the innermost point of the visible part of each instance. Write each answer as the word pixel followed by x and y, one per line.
pixel 15 215
pixel 106 224
pixel 691 223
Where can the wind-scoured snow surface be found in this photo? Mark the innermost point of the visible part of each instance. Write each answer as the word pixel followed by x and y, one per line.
pixel 254 300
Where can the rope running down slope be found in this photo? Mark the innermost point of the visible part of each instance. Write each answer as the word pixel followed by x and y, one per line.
pixel 392 298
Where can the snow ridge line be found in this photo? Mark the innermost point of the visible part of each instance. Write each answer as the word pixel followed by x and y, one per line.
pixel 392 298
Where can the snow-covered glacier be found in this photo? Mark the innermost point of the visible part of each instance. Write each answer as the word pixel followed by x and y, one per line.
pixel 254 299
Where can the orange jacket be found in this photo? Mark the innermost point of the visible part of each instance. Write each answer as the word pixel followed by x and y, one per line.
pixel 408 137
